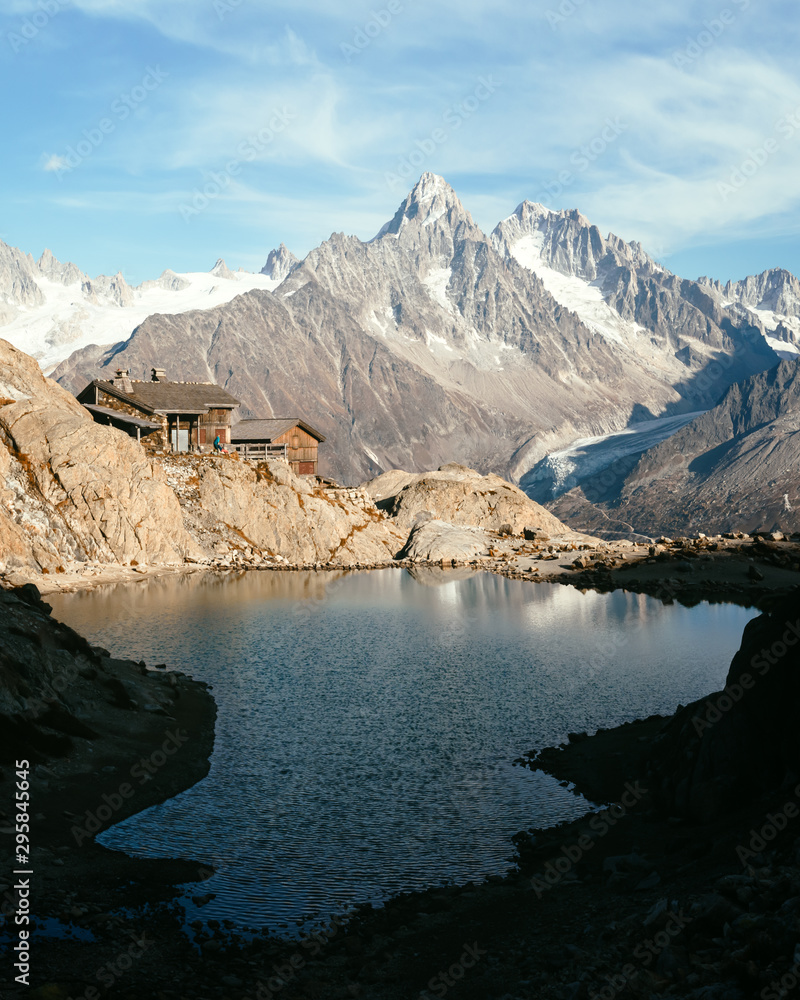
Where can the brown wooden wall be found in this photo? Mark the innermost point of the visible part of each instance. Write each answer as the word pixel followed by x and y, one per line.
pixel 302 451
pixel 203 427
pixel 210 424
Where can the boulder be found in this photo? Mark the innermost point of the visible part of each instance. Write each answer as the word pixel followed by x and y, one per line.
pixel 437 541
pixel 459 495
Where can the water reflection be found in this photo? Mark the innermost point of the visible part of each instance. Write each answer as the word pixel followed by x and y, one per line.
pixel 367 724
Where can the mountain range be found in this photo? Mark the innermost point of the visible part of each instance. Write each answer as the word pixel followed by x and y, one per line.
pixel 432 342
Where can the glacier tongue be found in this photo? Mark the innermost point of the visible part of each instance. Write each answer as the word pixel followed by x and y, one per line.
pixel 585 458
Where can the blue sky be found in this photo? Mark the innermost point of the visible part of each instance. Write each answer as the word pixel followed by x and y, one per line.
pixel 144 134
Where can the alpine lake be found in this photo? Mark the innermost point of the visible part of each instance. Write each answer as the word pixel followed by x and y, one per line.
pixel 368 722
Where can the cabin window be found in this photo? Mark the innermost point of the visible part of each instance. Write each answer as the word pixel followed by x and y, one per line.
pixel 201 435
pixel 305 468
pixel 223 435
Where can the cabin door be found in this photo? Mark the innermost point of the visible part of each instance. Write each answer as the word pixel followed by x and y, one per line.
pixel 180 440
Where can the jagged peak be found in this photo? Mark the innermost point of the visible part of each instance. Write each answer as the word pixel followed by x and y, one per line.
pixel 429 200
pixel 221 270
pixel 430 186
pixel 534 210
pixel 48 260
pixel 280 263
pixel 49 266
pixel 772 274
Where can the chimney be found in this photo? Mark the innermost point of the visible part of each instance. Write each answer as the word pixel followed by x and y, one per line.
pixel 122 380
pixel 159 375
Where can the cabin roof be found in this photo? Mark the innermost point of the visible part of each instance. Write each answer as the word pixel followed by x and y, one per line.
pixel 123 418
pixel 267 429
pixel 170 397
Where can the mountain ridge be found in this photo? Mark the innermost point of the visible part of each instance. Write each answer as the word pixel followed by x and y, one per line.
pixel 733 468
pixel 434 341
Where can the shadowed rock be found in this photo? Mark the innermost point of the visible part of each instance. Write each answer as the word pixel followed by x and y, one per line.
pixel 743 741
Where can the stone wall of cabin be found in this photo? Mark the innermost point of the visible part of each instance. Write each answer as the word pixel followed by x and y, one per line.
pixel 154 442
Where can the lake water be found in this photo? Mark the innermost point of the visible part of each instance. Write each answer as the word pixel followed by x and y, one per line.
pixel 368 721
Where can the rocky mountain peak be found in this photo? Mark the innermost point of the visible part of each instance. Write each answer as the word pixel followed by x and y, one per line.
pixel 432 189
pixel 566 241
pixel 777 290
pixel 51 267
pixel 221 270
pixel 48 262
pixel 534 212
pixel 116 290
pixel 17 282
pixel 280 263
pixel 430 201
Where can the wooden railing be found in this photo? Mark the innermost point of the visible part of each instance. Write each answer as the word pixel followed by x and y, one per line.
pixel 254 452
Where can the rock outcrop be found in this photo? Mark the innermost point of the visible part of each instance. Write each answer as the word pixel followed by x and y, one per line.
pixel 438 541
pixel 56 687
pixel 77 497
pixel 279 263
pixel 462 496
pixel 268 511
pixel 72 490
pixel 744 741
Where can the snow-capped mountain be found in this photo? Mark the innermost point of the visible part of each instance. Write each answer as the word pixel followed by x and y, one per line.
pixel 434 342
pixel 49 309
pixel 773 297
pixel 615 287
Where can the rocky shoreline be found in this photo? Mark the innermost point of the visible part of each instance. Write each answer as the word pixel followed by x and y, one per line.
pixel 735 568
pixel 101 739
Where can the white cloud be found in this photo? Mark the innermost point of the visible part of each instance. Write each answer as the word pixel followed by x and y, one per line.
pixel 55 163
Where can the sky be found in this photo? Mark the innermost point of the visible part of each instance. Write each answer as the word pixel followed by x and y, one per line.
pixel 145 134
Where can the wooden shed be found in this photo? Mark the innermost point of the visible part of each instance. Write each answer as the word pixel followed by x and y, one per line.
pixel 282 437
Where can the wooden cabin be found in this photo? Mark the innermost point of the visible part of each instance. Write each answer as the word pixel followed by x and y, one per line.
pixel 282 437
pixel 164 416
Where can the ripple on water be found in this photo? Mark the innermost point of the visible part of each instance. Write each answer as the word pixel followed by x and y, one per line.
pixel 367 722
